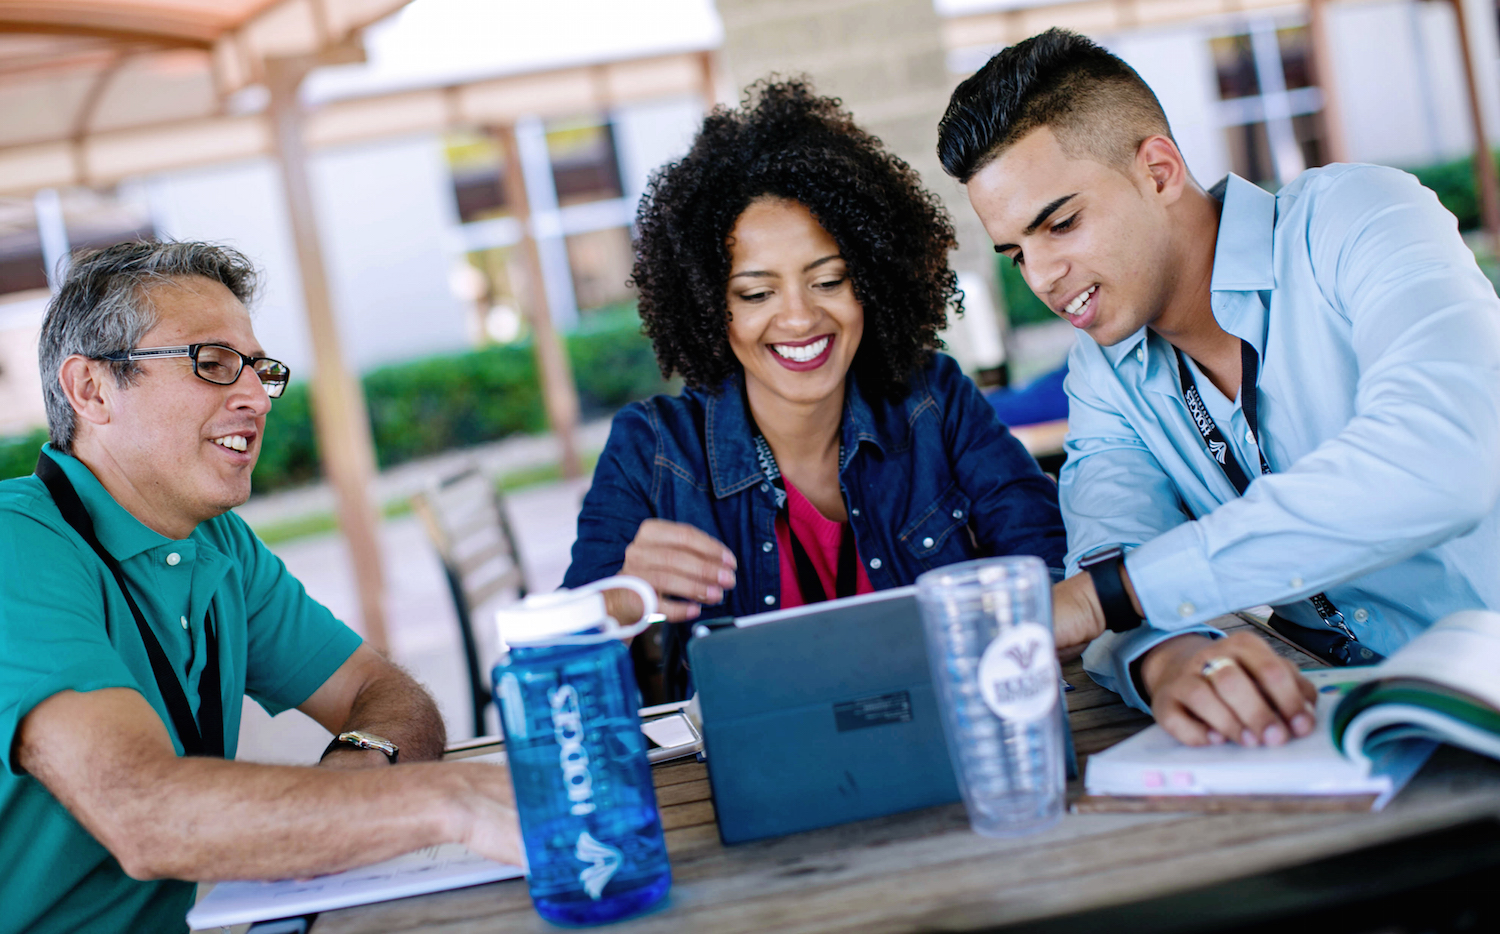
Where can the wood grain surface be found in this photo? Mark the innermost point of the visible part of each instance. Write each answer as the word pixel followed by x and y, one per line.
pixel 926 871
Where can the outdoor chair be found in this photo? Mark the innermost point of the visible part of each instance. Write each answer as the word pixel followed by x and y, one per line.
pixel 465 517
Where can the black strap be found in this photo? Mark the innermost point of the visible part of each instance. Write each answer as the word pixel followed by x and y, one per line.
pixel 210 702
pixel 1220 450
pixel 808 580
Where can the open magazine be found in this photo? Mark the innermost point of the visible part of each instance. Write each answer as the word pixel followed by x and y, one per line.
pixel 1380 724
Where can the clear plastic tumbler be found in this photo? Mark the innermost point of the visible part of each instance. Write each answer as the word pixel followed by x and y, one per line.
pixel 994 665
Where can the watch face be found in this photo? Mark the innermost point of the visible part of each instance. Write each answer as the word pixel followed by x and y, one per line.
pixel 368 741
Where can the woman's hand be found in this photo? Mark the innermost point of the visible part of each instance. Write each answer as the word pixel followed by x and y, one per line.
pixel 687 566
pixel 1211 690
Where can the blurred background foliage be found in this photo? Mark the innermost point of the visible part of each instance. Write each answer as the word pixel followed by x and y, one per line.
pixel 439 403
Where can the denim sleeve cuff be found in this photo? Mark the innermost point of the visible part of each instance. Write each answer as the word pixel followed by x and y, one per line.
pixel 1174 582
pixel 1109 657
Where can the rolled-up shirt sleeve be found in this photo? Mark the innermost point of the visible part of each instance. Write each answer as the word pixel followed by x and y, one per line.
pixel 1114 491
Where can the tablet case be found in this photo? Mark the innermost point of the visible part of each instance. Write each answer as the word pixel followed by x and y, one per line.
pixel 820 715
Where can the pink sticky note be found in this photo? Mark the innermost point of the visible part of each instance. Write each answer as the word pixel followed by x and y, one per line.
pixel 1153 779
pixel 1182 779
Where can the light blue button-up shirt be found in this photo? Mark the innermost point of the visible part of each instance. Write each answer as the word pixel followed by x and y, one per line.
pixel 1379 410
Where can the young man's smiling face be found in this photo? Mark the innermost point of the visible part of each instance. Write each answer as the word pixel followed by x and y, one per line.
pixel 1092 240
pixel 184 446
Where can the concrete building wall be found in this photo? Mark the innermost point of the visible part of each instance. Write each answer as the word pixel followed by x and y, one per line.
pixel 386 210
pixel 649 135
pixel 21 407
pixel 1401 80
pixel 1178 66
pixel 886 60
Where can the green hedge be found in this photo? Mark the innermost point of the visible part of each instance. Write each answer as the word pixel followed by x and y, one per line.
pixel 18 454
pixel 1455 187
pixel 432 405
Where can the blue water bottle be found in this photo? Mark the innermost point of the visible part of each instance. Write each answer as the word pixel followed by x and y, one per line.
pixel 569 706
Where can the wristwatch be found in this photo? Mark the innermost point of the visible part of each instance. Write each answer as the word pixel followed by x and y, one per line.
pixel 362 740
pixel 1105 568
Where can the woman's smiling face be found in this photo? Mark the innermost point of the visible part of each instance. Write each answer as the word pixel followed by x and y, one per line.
pixel 794 323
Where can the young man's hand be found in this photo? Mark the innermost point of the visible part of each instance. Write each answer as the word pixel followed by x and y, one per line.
pixel 1234 689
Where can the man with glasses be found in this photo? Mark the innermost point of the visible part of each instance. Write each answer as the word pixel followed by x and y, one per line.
pixel 136 611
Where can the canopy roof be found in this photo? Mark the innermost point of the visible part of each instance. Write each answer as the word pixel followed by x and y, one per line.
pixel 73 70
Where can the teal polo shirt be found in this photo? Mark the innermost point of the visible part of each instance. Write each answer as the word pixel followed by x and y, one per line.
pixel 65 625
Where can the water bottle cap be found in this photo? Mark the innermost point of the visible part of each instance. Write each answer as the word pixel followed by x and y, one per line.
pixel 540 618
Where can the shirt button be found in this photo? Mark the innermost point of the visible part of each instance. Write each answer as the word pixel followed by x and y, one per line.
pixel 183 620
pixel 1296 582
pixel 875 563
pixel 854 512
pixel 1249 436
pixel 1361 614
pixel 958 513
pixel 1140 353
pixel 173 559
pixel 1187 609
pixel 766 546
pixel 927 542
pixel 765 488
pixel 770 599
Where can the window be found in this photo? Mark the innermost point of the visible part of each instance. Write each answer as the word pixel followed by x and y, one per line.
pixel 584 165
pixel 1269 107
pixel 87 220
pixel 477 164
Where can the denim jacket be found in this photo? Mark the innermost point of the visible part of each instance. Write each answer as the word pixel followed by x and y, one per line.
pixel 929 480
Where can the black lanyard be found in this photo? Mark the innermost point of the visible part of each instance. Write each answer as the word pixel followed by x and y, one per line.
pixel 210 703
pixel 1348 650
pixel 808 580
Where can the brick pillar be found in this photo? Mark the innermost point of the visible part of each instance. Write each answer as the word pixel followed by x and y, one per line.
pixel 885 59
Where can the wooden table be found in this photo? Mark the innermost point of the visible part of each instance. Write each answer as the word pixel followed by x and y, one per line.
pixel 926 871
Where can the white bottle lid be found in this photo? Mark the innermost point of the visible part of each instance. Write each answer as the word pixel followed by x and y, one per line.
pixel 540 619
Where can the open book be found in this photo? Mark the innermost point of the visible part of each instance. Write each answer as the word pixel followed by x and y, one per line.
pixel 1379 725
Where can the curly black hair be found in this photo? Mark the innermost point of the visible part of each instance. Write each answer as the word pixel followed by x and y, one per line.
pixel 786 142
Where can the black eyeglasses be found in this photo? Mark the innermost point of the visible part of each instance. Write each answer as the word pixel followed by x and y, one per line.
pixel 218 364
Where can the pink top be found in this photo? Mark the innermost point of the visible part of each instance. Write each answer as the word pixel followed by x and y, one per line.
pixel 821 539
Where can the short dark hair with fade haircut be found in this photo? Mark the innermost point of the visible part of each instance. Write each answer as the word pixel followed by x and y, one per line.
pixel 1096 105
pixel 103 308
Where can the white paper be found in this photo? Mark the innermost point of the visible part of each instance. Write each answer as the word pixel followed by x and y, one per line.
pixel 434 869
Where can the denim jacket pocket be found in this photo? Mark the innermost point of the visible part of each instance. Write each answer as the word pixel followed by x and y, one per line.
pixel 926 535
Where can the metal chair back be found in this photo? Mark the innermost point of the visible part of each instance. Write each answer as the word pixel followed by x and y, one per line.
pixel 465 517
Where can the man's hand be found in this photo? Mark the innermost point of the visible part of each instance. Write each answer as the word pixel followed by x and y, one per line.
pixel 681 562
pixel 1254 698
pixel 1077 617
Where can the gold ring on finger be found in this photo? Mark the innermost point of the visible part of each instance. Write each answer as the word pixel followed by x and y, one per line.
pixel 1215 665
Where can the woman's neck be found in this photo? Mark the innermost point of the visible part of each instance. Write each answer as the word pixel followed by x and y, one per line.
pixel 804 439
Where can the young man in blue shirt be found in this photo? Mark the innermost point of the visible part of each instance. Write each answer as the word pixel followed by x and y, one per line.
pixel 1288 399
pixel 136 612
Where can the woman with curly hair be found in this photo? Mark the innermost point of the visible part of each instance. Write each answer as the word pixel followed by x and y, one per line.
pixel 795 274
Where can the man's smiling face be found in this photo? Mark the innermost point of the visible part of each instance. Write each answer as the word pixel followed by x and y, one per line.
pixel 187 446
pixel 1091 240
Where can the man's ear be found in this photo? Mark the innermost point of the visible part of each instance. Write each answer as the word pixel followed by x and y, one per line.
pixel 88 387
pixel 1159 161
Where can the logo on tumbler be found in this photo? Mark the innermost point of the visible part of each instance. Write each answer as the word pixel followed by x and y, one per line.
pixel 1018 673
pixel 604 862
pixel 567 726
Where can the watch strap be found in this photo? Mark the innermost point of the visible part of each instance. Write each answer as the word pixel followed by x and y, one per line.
pixel 1119 614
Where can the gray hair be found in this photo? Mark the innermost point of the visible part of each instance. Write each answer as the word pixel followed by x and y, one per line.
pixel 103 309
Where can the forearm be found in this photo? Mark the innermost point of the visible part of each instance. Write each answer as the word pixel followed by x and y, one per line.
pixel 396 707
pixel 208 820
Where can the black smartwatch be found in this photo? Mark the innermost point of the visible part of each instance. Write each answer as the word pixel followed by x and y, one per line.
pixel 1105 568
pixel 359 739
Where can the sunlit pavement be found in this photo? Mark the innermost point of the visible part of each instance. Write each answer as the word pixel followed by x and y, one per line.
pixel 420 618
